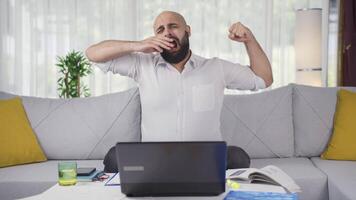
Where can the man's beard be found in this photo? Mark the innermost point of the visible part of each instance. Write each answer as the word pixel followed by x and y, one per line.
pixel 176 57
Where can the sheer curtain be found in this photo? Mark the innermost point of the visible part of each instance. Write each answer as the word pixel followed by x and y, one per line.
pixel 34 32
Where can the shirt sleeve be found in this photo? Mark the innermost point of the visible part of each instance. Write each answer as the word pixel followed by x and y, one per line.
pixel 237 76
pixel 128 65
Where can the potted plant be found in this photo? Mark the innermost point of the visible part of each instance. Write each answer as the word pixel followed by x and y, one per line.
pixel 72 68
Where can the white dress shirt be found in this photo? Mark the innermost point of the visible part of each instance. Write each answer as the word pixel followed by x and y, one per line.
pixel 182 106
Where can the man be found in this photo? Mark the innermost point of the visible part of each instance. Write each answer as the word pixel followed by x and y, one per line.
pixel 182 93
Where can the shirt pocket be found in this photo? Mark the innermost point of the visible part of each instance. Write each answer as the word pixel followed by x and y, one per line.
pixel 203 97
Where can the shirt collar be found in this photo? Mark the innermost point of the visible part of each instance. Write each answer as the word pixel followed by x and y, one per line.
pixel 193 61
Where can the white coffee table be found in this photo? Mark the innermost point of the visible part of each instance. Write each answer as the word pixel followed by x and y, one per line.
pixel 98 190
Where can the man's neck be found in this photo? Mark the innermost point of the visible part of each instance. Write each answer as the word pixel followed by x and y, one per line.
pixel 180 66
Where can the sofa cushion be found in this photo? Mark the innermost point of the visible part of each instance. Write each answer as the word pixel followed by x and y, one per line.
pixel 84 128
pixel 18 144
pixel 342 143
pixel 256 122
pixel 313 113
pixel 311 180
pixel 4 95
pixel 341 177
pixel 31 179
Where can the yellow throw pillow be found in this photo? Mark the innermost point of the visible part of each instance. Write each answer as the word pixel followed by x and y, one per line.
pixel 18 143
pixel 342 145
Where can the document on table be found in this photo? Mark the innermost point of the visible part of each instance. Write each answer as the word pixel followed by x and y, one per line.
pixel 114 180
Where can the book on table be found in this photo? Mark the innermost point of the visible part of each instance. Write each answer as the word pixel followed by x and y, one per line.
pixel 85 171
pixel 267 175
pixel 89 177
pixel 244 195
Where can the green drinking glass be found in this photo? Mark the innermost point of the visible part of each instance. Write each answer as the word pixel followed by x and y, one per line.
pixel 67 173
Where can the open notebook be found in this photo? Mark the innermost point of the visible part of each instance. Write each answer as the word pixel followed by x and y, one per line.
pixel 270 174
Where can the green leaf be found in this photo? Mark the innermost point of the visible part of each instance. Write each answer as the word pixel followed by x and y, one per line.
pixel 72 66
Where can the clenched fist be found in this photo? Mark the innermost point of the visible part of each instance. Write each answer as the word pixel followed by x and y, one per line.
pixel 239 32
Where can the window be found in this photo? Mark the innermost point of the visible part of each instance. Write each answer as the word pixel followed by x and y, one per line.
pixel 33 33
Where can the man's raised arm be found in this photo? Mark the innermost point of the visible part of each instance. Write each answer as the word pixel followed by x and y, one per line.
pixel 259 62
pixel 111 49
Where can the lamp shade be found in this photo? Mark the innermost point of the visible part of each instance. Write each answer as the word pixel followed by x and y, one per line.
pixel 308 38
pixel 312 78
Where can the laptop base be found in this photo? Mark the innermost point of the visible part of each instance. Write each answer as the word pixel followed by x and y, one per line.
pixel 172 189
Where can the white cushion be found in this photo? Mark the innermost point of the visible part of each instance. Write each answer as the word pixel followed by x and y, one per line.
pixel 313 115
pixel 32 179
pixel 311 180
pixel 341 177
pixel 84 128
pixel 257 122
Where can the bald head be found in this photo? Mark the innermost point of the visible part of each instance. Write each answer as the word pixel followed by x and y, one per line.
pixel 169 24
pixel 166 17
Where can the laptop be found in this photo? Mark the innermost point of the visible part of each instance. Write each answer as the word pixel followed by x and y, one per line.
pixel 172 168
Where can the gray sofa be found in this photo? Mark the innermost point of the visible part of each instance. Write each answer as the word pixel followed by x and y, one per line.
pixel 288 127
